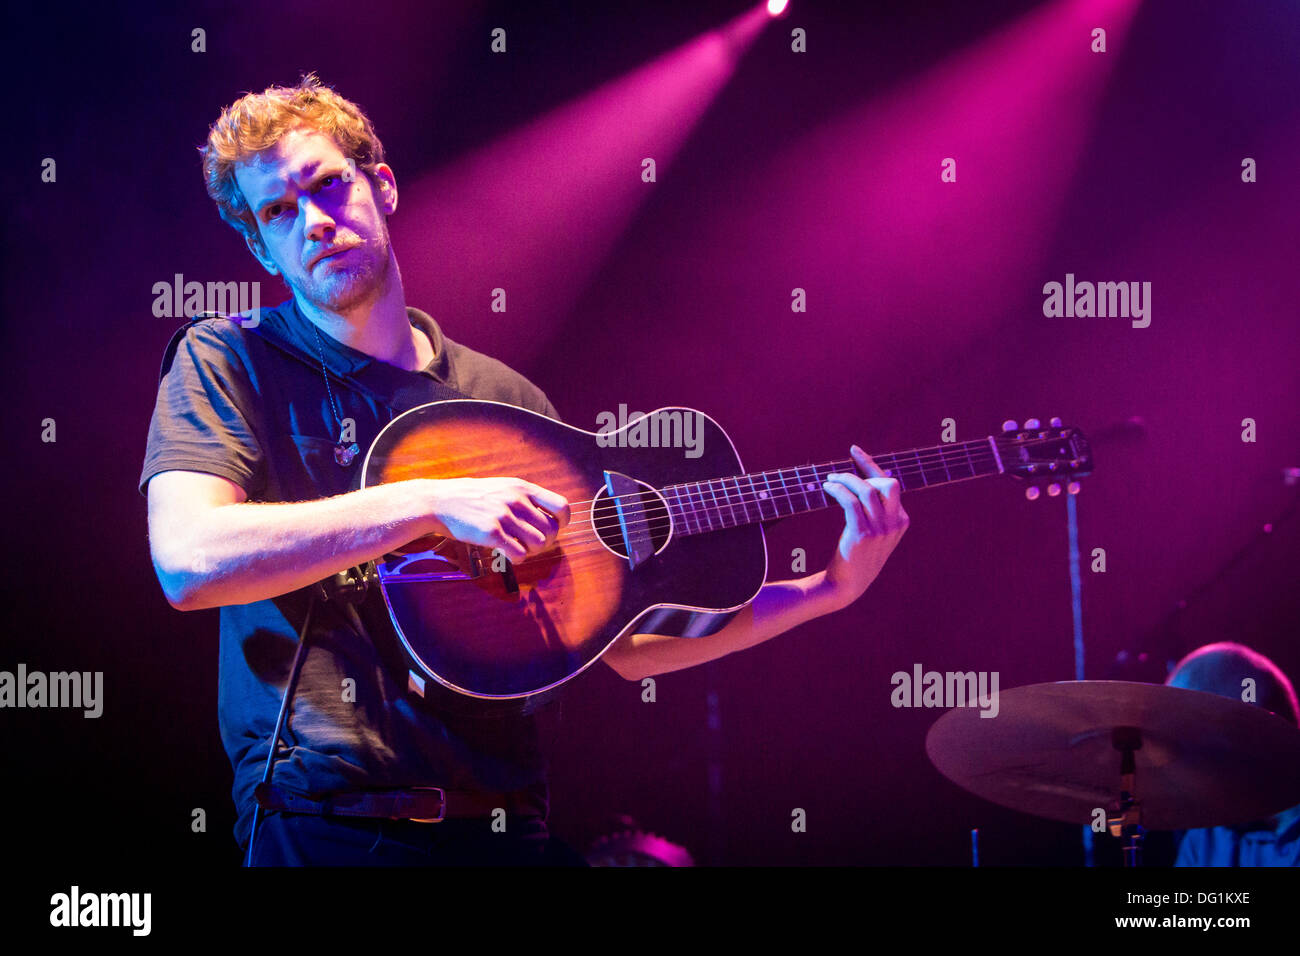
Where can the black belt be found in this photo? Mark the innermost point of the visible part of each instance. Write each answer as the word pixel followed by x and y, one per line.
pixel 419 804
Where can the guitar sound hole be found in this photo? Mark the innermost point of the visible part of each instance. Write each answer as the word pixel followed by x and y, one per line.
pixel 647 515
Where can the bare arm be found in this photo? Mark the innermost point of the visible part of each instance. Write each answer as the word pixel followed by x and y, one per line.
pixel 779 606
pixel 212 547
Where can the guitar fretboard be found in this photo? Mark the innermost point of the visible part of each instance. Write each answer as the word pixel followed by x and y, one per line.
pixel 701 506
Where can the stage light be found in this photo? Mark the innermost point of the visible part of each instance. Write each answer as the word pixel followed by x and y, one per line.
pixel 777 7
pixel 546 203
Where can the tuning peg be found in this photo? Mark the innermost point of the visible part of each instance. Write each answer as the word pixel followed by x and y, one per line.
pixel 1054 489
pixel 1032 492
pixel 1010 426
pixel 1072 487
pixel 1055 423
pixel 1033 423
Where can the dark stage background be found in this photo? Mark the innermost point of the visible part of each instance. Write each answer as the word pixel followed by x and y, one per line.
pixel 776 170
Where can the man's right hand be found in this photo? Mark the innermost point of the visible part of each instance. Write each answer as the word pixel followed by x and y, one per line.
pixel 512 514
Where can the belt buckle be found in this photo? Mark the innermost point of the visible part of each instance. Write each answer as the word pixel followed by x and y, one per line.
pixel 442 804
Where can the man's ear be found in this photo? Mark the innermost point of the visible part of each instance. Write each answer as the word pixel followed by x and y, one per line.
pixel 255 246
pixel 385 188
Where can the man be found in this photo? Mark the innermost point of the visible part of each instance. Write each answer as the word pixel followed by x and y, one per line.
pixel 1221 669
pixel 250 472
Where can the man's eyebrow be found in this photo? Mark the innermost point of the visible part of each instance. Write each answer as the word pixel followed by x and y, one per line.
pixel 312 171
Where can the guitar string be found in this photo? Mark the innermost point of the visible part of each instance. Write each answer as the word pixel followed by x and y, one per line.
pixel 579 546
pixel 578 539
pixel 703 512
pixel 921 466
pixel 917 461
pixel 795 485
pixel 729 498
pixel 711 517
pixel 660 510
pixel 908 460
pixel 910 468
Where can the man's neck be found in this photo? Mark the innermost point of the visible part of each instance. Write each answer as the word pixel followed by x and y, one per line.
pixel 378 326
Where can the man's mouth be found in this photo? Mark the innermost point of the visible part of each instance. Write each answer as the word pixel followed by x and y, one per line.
pixel 328 253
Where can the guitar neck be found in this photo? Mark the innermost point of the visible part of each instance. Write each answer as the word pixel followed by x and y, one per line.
pixel 701 506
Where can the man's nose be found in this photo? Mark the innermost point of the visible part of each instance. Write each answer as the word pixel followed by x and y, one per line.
pixel 316 222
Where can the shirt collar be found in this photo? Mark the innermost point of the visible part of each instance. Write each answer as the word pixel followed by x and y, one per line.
pixel 349 360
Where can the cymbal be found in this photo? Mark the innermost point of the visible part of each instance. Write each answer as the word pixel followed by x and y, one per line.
pixel 1204 760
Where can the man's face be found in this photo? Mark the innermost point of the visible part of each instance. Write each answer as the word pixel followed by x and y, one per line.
pixel 320 220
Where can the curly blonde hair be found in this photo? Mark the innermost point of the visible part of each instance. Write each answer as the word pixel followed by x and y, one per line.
pixel 257 121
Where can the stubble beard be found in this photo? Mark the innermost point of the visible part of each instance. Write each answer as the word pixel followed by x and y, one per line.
pixel 362 280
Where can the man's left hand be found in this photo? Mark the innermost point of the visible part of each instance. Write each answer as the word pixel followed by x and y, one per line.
pixel 874 523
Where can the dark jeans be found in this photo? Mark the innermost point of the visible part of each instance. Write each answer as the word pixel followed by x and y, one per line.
pixel 295 839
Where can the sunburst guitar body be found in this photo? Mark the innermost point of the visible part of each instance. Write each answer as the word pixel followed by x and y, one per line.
pixel 481 625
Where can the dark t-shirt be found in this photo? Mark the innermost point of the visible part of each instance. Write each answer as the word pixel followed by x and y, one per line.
pixel 234 405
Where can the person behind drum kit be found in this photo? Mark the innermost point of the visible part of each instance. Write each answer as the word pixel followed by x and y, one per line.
pixel 1223 669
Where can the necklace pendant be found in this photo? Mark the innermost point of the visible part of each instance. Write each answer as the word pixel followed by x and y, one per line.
pixel 344 455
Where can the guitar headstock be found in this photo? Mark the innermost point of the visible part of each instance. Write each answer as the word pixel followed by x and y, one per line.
pixel 1044 456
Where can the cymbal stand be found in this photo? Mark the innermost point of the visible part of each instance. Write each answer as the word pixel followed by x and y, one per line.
pixel 1127 823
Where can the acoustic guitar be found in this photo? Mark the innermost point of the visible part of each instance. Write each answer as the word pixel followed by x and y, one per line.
pixel 656 530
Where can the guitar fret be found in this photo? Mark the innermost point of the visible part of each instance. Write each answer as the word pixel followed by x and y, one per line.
pixel 799 483
pixel 817 480
pixel 684 525
pixel 771 496
pixel 714 509
pixel 694 489
pixel 727 503
pixel 931 471
pixel 943 460
pixel 792 489
pixel 740 496
pixel 785 489
pixel 811 487
pixel 744 502
pixel 709 511
pixel 695 511
pixel 672 515
pixel 889 465
pixel 717 507
pixel 686 515
pixel 722 482
pixel 970 462
pixel 758 497
pixel 917 455
pixel 803 487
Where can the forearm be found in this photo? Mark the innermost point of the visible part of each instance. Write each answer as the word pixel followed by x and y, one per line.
pixel 245 552
pixel 779 606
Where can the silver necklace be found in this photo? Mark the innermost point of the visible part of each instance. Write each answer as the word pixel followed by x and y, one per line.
pixel 343 454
